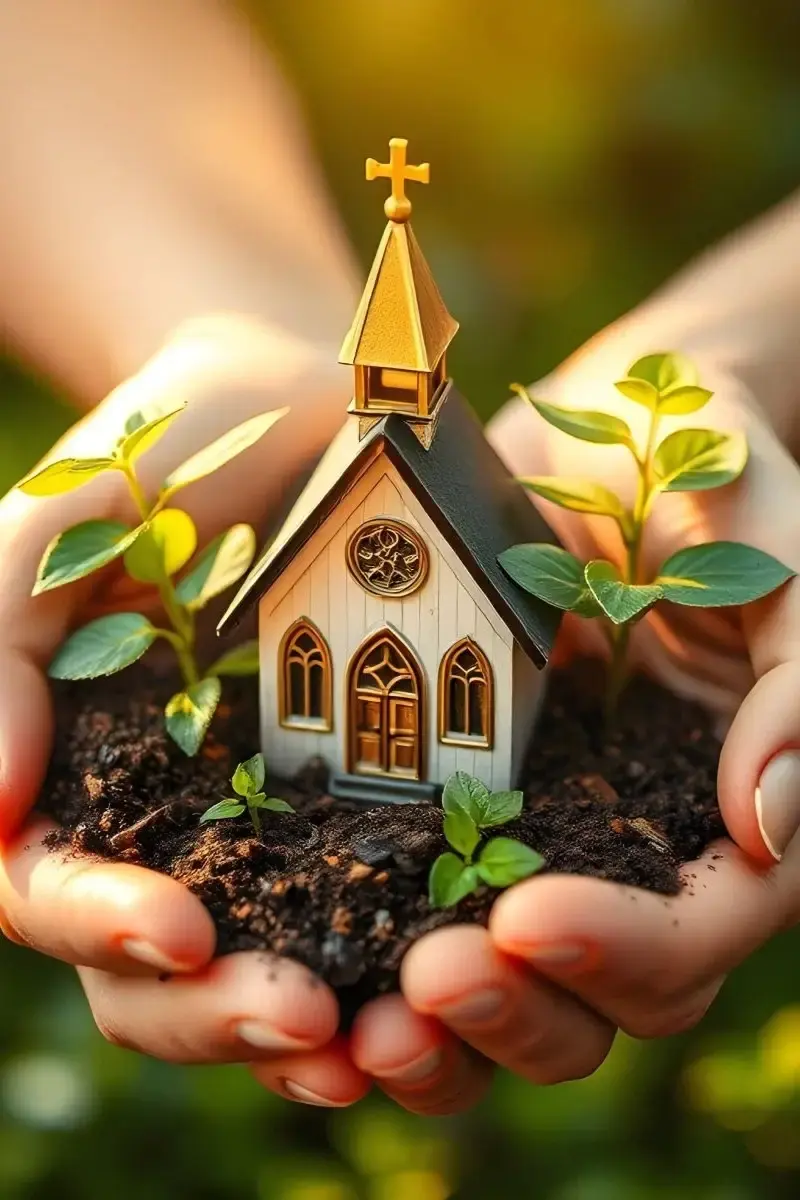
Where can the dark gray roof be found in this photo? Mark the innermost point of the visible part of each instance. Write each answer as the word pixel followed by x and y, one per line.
pixel 465 490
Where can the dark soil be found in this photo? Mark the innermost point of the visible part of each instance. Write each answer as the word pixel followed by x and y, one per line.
pixel 343 888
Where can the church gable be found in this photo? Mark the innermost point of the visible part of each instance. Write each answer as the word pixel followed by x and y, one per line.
pixel 382 493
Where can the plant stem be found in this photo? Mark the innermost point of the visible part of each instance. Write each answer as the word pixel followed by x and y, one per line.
pixel 182 622
pixel 620 634
pixel 641 505
pixel 617 672
pixel 255 817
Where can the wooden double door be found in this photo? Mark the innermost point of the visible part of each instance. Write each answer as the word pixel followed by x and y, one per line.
pixel 385 710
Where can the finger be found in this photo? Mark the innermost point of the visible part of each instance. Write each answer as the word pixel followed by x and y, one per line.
pixel 759 777
pixel 112 916
pixel 325 1078
pixel 649 963
pixel 759 773
pixel 416 1061
pixel 240 1008
pixel 523 1023
pixel 26 730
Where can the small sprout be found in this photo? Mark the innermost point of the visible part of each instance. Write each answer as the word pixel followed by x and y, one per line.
pixel 247 782
pixel 153 553
pixel 710 575
pixel 469 809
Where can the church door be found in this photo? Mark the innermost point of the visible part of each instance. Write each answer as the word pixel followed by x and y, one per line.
pixel 385 697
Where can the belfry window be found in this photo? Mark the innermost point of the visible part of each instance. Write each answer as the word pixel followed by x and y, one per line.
pixel 390 388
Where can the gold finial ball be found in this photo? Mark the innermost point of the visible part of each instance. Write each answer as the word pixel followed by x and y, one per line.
pixel 397 208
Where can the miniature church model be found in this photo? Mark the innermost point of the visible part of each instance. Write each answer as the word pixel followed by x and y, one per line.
pixel 392 645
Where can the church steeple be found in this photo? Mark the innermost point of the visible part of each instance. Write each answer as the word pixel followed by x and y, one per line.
pixel 398 341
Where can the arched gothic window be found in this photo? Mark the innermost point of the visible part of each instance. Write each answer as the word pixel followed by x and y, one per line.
pixel 305 678
pixel 466 699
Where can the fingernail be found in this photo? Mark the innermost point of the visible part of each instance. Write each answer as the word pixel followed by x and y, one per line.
pixel 778 802
pixel 151 956
pixel 266 1037
pixel 481 1006
pixel 296 1091
pixel 416 1071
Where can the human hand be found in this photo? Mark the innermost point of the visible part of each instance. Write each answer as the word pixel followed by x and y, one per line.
pixel 567 960
pixel 125 927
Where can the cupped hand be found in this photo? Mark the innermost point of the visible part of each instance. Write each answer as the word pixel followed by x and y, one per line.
pixel 143 944
pixel 567 961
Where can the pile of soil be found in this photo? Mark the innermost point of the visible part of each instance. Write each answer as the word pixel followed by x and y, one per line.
pixel 343 888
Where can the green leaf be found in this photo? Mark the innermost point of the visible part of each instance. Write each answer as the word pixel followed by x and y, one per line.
pixel 189 714
pixel 664 371
pixel 103 647
pixel 552 574
pixel 272 803
pixel 504 861
pixel 241 660
pixel 717 574
pixel 146 434
pixel 221 563
pixel 248 778
pixel 578 495
pixel 696 460
pixel 640 390
pixel 679 401
pixel 621 602
pixel 585 425
pixel 80 550
pixel 466 883
pixel 450 881
pixel 222 811
pixel 499 808
pixel 165 545
pixel 464 793
pixel 461 831
pixel 64 476
pixel 220 452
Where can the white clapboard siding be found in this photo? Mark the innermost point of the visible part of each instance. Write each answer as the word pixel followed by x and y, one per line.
pixel 449 606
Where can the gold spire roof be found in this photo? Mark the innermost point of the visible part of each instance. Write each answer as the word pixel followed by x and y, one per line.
pixel 401 321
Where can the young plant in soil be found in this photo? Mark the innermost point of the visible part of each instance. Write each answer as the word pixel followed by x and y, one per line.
pixel 247 782
pixel 710 575
pixel 153 552
pixel 469 810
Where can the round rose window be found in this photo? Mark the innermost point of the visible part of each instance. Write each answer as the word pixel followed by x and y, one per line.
pixel 387 557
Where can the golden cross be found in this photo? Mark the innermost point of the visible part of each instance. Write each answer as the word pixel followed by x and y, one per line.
pixel 398 205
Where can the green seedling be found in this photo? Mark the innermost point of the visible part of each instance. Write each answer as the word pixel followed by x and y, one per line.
pixel 710 575
pixel 153 552
pixel 469 810
pixel 247 782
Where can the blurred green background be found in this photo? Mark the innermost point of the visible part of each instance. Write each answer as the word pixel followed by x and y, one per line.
pixel 581 152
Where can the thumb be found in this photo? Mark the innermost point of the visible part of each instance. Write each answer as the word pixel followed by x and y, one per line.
pixel 759 772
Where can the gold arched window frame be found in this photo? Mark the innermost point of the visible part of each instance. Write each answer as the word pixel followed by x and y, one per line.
pixel 319 656
pixel 453 668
